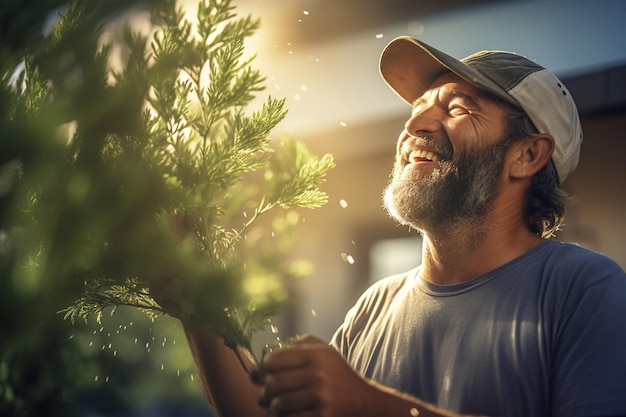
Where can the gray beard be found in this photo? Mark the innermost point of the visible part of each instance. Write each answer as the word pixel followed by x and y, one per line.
pixel 456 194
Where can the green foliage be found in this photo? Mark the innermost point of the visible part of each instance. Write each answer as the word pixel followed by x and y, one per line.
pixel 153 173
pixel 122 367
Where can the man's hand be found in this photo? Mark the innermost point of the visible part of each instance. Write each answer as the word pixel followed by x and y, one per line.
pixel 311 379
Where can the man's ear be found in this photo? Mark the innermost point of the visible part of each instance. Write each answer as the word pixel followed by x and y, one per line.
pixel 531 154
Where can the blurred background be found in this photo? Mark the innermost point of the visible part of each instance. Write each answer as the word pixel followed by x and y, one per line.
pixel 322 55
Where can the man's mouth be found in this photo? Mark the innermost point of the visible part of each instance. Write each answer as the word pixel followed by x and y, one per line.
pixel 421 155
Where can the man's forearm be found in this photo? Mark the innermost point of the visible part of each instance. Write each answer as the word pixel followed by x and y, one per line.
pixel 225 382
pixel 393 403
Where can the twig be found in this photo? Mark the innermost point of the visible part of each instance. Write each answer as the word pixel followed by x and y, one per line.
pixel 232 345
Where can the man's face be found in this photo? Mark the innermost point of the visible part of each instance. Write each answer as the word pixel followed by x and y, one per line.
pixel 449 157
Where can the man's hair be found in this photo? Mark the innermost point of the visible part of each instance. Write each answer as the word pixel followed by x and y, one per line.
pixel 544 208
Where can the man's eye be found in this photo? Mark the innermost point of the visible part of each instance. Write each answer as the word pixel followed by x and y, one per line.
pixel 457 111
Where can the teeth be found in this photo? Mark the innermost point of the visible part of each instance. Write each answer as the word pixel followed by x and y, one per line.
pixel 421 154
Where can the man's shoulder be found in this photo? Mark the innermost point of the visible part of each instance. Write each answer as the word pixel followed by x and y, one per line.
pixel 385 289
pixel 394 283
pixel 557 269
pixel 570 271
pixel 575 258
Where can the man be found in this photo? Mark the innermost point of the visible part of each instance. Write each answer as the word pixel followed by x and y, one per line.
pixel 498 320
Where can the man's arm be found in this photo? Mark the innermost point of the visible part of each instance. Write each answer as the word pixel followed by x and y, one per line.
pixel 223 372
pixel 312 379
pixel 225 382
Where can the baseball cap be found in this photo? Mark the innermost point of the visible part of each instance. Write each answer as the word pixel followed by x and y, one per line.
pixel 409 67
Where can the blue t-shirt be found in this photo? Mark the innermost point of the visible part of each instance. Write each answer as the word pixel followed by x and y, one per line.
pixel 543 335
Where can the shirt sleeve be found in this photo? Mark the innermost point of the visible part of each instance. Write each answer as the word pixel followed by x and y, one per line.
pixel 589 342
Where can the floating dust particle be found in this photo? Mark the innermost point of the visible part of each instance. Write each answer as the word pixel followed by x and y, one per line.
pixel 304 88
pixel 313 312
pixel 191 376
pixel 344 124
pixel 416 28
pixel 414 412
pixel 306 12
pixel 379 36
pixel 96 379
pixel 343 203
pixel 347 258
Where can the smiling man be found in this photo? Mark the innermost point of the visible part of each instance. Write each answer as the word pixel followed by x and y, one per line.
pixel 499 320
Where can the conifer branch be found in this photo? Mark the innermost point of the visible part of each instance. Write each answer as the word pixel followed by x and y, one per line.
pixel 154 174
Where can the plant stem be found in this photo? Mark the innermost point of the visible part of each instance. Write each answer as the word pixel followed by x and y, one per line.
pixel 240 358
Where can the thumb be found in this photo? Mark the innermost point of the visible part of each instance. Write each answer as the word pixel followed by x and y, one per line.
pixel 305 340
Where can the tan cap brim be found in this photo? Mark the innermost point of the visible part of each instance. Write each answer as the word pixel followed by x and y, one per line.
pixel 409 67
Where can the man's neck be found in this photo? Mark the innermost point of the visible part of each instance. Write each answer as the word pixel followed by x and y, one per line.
pixel 452 258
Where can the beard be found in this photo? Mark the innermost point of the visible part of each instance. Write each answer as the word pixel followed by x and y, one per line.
pixel 457 193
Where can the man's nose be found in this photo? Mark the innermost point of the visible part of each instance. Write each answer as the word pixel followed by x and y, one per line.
pixel 423 122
